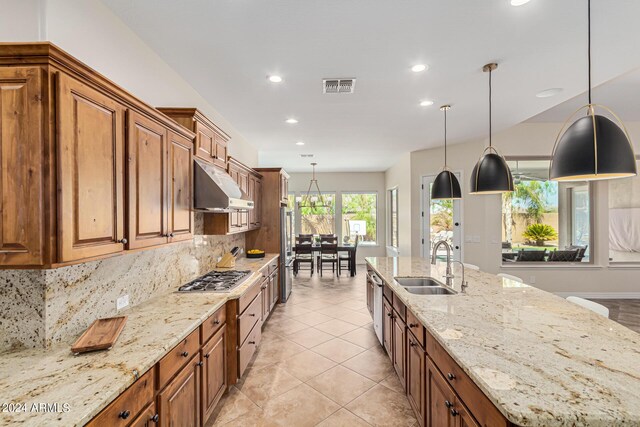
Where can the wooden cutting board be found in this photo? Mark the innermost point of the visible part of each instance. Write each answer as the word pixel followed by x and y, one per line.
pixel 102 334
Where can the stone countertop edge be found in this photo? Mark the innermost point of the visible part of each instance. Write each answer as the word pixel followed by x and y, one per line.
pixel 118 374
pixel 521 418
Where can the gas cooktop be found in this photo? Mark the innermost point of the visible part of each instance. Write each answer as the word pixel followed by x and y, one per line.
pixel 216 281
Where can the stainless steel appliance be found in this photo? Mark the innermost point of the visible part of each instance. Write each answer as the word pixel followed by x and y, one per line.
pixel 286 253
pixel 377 305
pixel 216 281
pixel 215 190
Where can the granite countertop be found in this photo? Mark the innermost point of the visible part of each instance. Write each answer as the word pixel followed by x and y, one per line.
pixel 541 360
pixel 87 383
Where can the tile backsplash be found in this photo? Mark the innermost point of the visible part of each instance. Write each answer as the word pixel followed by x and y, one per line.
pixel 39 308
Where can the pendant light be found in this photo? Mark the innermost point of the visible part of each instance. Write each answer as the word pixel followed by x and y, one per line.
pixel 446 185
pixel 593 147
pixel 319 201
pixel 491 175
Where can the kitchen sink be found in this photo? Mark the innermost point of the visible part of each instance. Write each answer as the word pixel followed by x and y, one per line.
pixel 417 281
pixel 429 290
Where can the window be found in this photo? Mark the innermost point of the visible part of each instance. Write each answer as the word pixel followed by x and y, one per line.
pixel 542 220
pixel 359 217
pixel 393 217
pixel 624 220
pixel 319 220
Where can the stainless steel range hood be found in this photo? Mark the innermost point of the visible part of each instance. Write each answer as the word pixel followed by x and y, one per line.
pixel 216 191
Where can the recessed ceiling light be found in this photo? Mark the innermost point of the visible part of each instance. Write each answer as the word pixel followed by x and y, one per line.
pixel 275 79
pixel 291 121
pixel 299 143
pixel 519 2
pixel 418 67
pixel 549 92
pixel 426 103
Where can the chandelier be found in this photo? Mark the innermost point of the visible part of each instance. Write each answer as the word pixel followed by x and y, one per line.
pixel 310 200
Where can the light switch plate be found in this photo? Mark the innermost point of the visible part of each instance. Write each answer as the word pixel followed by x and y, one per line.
pixel 122 302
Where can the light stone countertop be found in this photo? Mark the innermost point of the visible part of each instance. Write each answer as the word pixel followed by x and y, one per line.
pixel 541 360
pixel 90 381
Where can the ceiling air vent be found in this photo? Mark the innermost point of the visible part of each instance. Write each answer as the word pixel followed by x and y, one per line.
pixel 306 155
pixel 338 85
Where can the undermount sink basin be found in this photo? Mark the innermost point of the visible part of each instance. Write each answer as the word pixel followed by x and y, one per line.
pixel 417 281
pixel 429 290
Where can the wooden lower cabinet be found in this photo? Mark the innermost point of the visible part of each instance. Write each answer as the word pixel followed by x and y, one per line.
pixel 179 401
pixel 266 298
pixel 274 293
pixel 387 328
pixel 399 348
pixel 214 372
pixel 416 376
pixel 147 418
pixel 440 399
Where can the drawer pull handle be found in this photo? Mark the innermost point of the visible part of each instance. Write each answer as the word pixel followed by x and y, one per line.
pixel 216 322
pixel 411 343
pixel 184 354
pixel 451 376
pixel 252 315
pixel 389 314
pixel 252 342
pixel 155 418
pixel 200 363
pixel 124 415
pixel 448 404
pixel 206 356
pixel 413 325
pixel 454 412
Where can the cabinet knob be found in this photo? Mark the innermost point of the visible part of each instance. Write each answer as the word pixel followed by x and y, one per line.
pixel 124 415
pixel 123 241
pixel 451 376
pixel 252 342
pixel 200 363
pixel 413 325
pixel 216 322
pixel 185 354
pixel 170 234
pixel 454 412
pixel 155 418
pixel 252 315
pixel 411 343
pixel 448 404
pixel 206 356
pixel 388 314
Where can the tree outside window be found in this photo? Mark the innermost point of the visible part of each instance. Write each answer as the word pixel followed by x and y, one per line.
pixel 359 217
pixel 319 220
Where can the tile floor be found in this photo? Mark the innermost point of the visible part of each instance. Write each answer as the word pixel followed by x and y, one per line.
pixel 319 364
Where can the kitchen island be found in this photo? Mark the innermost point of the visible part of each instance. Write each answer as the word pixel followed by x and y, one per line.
pixel 52 387
pixel 540 360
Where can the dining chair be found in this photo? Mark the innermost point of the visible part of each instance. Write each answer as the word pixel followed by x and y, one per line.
pixel 532 255
pixel 304 253
pixel 563 256
pixel 593 306
pixel 581 251
pixel 346 257
pixel 510 277
pixel 328 255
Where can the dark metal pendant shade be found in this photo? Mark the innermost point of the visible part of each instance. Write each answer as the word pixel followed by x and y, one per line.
pixel 593 148
pixel 446 186
pixel 491 175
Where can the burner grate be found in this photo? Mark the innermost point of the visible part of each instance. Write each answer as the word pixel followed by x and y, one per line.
pixel 216 281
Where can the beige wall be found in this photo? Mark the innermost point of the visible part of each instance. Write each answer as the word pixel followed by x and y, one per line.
pixel 481 215
pixel 350 182
pixel 399 175
pixel 88 30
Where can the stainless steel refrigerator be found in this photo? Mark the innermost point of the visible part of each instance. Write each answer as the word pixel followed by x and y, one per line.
pixel 286 253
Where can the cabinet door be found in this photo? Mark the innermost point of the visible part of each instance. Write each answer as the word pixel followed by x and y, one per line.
pixel 90 172
pixel 275 295
pixel 266 298
pixel 22 216
pixel 387 328
pixel 399 348
pixel 416 375
pixel 284 188
pixel 463 416
pixel 180 188
pixel 147 418
pixel 370 291
pixel 243 182
pixel 205 142
pixel 147 182
pixel 252 195
pixel 179 402
pixel 214 372
pixel 440 399
pixel 257 207
pixel 220 155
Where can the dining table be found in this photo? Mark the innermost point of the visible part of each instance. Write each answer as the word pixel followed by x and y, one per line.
pixel 345 247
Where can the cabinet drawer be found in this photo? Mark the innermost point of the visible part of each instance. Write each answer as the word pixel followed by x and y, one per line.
pixel 128 405
pixel 212 324
pixel 416 328
pixel 400 308
pixel 177 357
pixel 388 293
pixel 248 296
pixel 245 353
pixel 479 405
pixel 273 266
pixel 249 318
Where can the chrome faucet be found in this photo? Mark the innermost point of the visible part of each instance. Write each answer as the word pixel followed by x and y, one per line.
pixel 448 275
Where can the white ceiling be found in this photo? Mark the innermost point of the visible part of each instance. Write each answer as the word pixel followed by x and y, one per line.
pixel 226 48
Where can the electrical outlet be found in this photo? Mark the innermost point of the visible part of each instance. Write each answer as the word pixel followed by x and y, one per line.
pixel 532 280
pixel 122 302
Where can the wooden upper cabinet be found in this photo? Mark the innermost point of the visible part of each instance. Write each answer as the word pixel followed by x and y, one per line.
pixel 90 173
pixel 21 167
pixel 205 141
pixel 221 155
pixel 180 187
pixel 284 188
pixel 147 181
